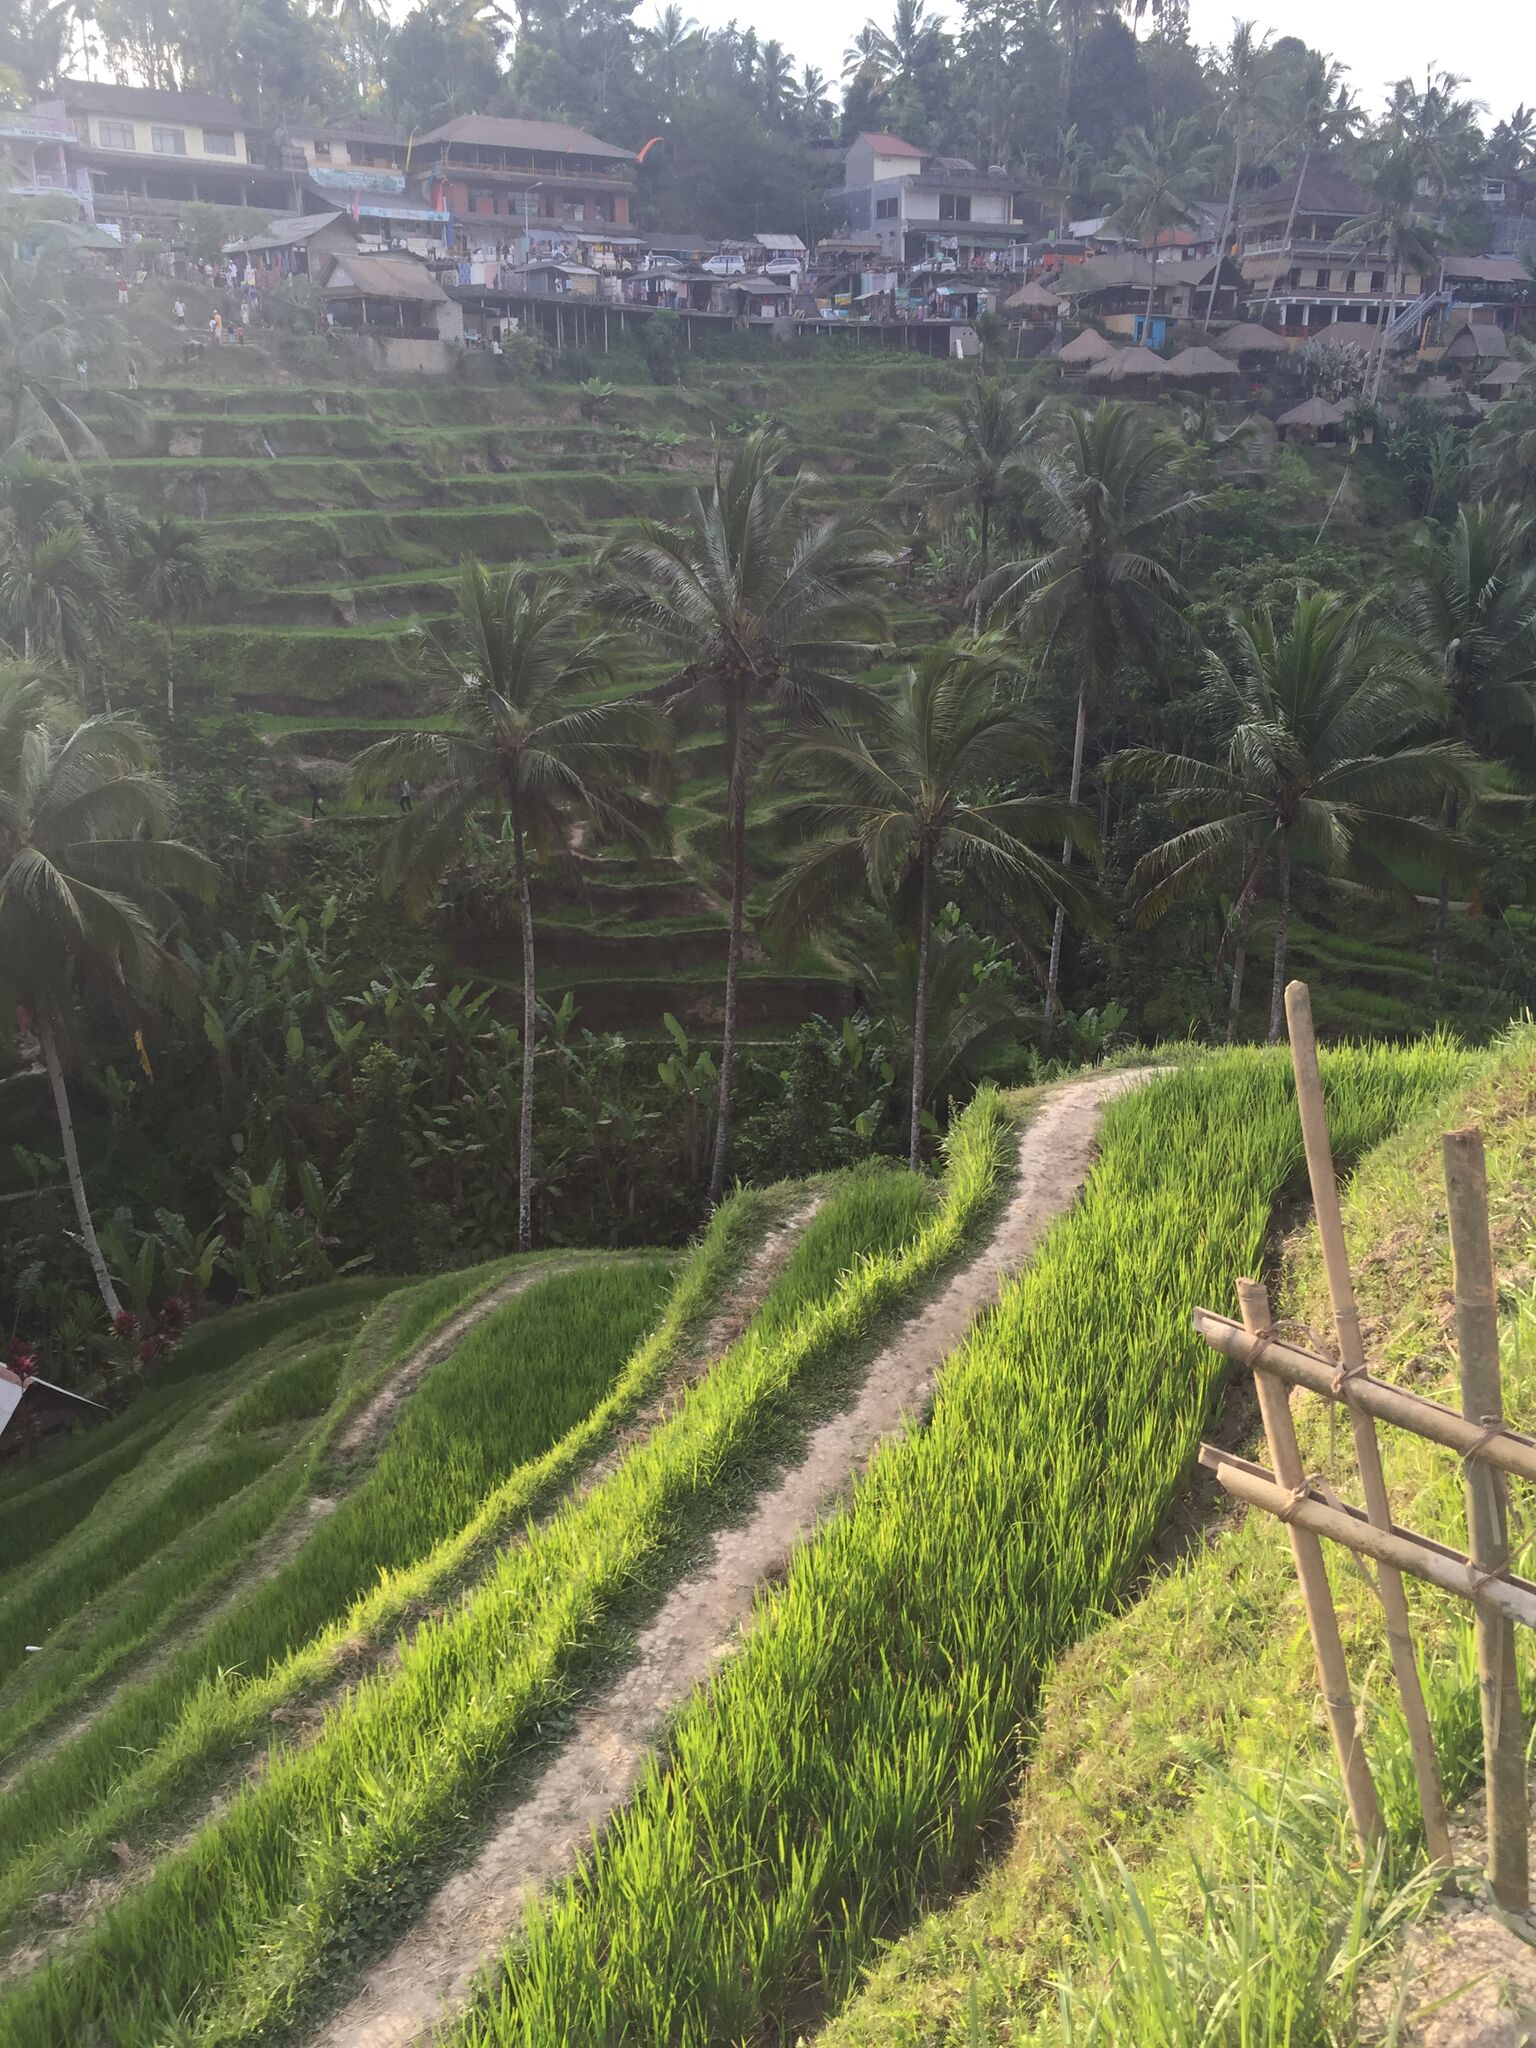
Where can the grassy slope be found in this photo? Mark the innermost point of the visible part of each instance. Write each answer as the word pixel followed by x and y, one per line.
pixel 1162 1734
pixel 847 1765
pixel 254 1915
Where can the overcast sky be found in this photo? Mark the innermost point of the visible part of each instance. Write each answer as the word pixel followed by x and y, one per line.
pixel 1493 42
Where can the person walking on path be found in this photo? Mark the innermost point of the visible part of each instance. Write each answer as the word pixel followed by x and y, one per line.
pixel 405 793
pixel 122 290
pixel 180 311
pixel 316 802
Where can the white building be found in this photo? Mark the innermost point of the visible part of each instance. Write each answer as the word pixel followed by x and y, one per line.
pixel 920 207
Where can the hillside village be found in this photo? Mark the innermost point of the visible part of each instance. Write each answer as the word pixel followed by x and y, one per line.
pixel 767 941
pixel 502 215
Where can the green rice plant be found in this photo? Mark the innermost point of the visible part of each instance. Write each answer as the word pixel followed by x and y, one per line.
pixel 845 1767
pixel 205 1709
pixel 1263 1941
pixel 242 1927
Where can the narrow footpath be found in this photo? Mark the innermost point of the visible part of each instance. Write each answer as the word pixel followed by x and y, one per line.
pixel 432 1969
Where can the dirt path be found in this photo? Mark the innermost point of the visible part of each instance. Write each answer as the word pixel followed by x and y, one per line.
pixel 432 1969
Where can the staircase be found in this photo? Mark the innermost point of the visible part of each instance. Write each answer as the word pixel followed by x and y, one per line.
pixel 1412 316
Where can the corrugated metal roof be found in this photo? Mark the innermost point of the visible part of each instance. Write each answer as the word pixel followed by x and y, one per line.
pixel 385 277
pixel 492 131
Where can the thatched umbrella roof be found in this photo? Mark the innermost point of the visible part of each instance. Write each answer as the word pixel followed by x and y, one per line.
pixel 1313 412
pixel 1089 347
pixel 1193 365
pixel 1507 373
pixel 1033 298
pixel 1248 338
pixel 1129 366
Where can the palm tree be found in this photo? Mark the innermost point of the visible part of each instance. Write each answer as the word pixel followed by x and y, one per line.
pixel 1103 485
pixel 57 600
pixel 42 339
pixel 1467 607
pixel 1159 180
pixel 1436 129
pixel 84 873
pixel 975 457
pixel 913 791
pixel 1394 223
pixel 914 41
pixel 1246 89
pixel 812 97
pixel 672 45
pixel 522 754
pixel 169 576
pixel 775 82
pixel 1317 721
pixel 1321 113
pixel 1504 444
pixel 766 607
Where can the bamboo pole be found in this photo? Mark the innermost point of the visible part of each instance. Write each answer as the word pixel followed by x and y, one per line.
pixel 1341 1290
pixel 1477 1339
pixel 1316 1594
pixel 1405 1549
pixel 1506 1449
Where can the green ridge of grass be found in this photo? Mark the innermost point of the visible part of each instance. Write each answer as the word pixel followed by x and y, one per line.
pixel 1169 1734
pixel 196 1715
pixel 846 1768
pixel 254 1918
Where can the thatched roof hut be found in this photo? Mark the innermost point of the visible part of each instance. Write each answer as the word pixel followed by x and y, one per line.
pixel 1201 366
pixel 1248 338
pixel 1034 302
pixel 1130 366
pixel 1315 419
pixel 1089 347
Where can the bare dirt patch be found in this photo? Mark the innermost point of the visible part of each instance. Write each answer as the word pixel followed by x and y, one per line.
pixel 433 1968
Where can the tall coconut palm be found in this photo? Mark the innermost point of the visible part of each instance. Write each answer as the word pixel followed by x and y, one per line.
pixel 976 455
pixel 1467 607
pixel 775 82
pixel 672 47
pixel 43 335
pixel 86 873
pixel 1247 86
pixel 521 755
pixel 767 608
pixel 1104 486
pixel 916 791
pixel 57 600
pixel 1320 112
pixel 169 576
pixel 812 100
pixel 1317 726
pixel 1160 177
pixel 1395 224
pixel 914 41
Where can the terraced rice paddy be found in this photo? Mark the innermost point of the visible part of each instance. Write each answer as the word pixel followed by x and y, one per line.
pixel 251 1916
pixel 846 1766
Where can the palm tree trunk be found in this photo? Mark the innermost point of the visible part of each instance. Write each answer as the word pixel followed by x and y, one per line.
pixel 920 1013
pixel 530 1015
pixel 1290 226
pixel 88 1235
pixel 1146 325
pixel 1226 229
pixel 1079 743
pixel 1235 1000
pixel 1386 321
pixel 737 770
pixel 1282 932
pixel 170 672
pixel 1242 924
pixel 1443 908
pixel 986 533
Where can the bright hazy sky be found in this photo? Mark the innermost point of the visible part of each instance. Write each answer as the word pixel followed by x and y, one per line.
pixel 1493 42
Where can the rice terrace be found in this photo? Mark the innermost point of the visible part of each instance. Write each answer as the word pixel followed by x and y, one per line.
pixel 768 1102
